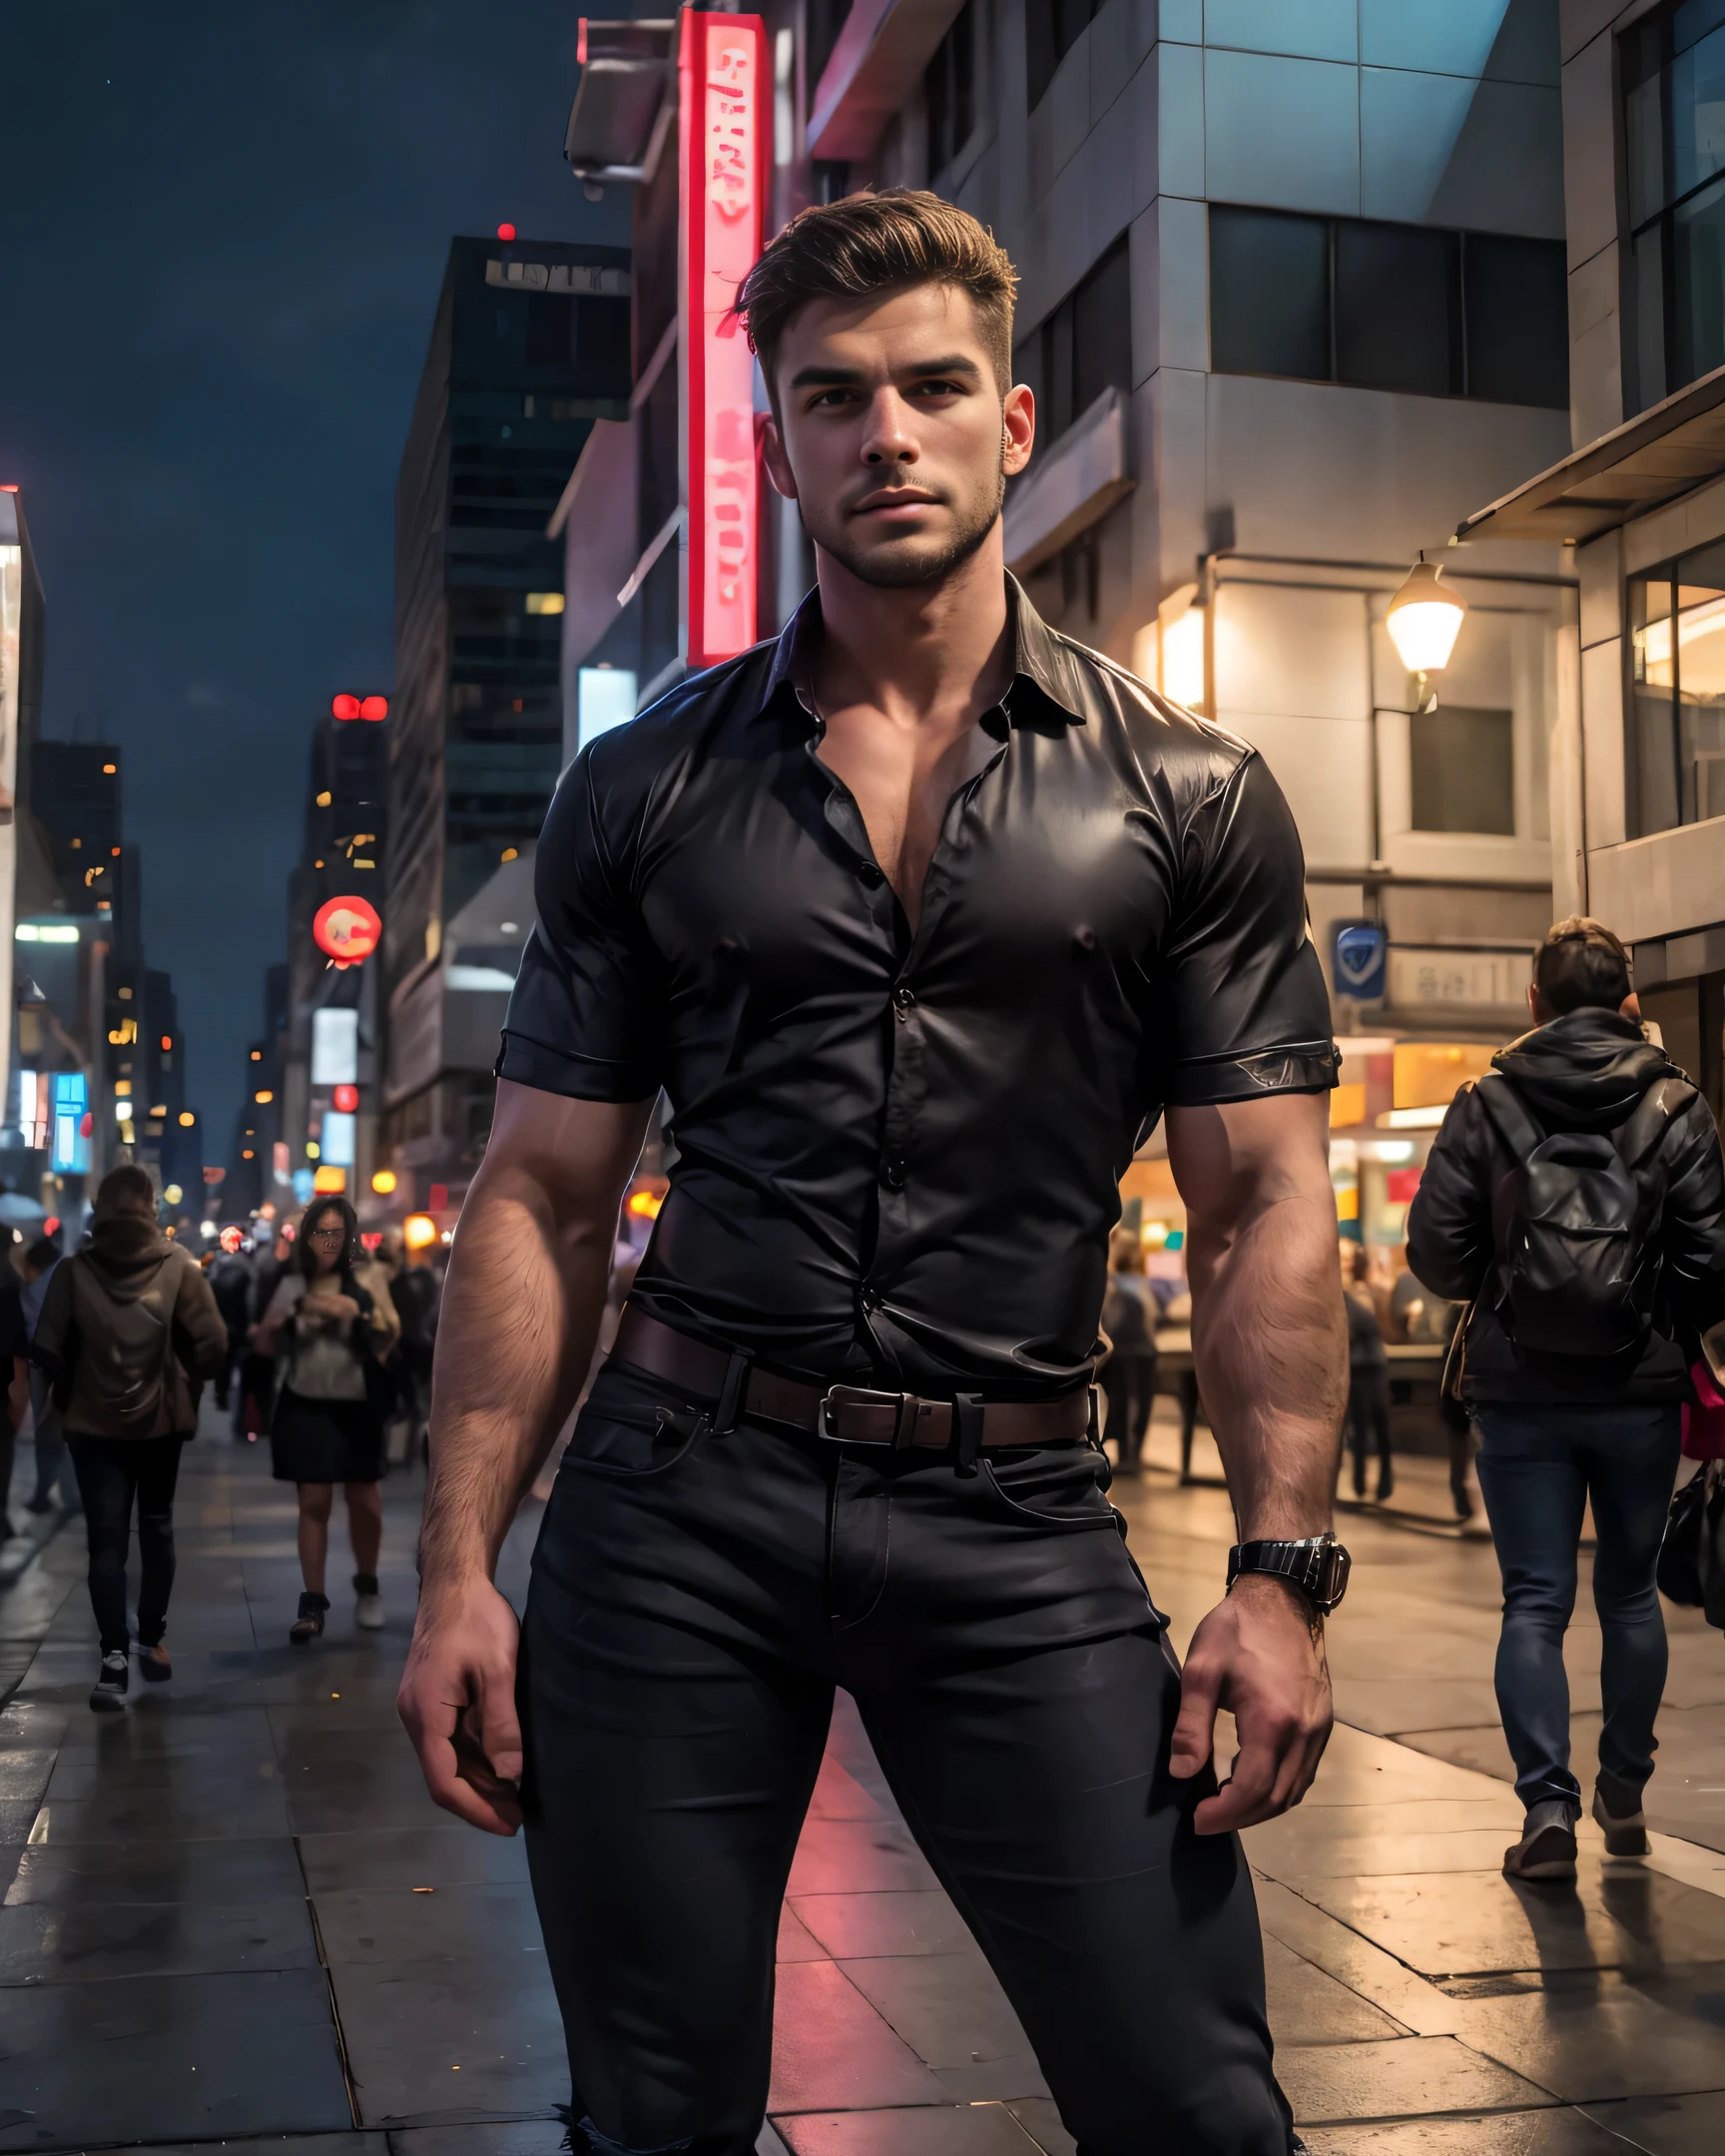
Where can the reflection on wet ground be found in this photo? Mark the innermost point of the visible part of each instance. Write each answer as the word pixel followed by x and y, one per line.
pixel 231 1915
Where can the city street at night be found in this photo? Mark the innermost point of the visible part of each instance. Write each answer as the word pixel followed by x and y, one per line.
pixel 861 1208
pixel 235 1917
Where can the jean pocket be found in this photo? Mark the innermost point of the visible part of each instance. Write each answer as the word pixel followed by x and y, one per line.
pixel 1060 1486
pixel 630 1431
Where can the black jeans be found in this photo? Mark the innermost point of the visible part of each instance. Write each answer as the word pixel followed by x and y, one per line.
pixel 1369 1427
pixel 112 1472
pixel 1129 1386
pixel 694 1600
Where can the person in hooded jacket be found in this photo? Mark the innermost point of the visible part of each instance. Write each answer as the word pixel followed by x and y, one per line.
pixel 1557 1429
pixel 128 1329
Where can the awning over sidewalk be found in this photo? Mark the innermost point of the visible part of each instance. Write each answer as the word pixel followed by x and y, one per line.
pixel 1649 459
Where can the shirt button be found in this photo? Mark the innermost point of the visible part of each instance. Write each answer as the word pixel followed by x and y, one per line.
pixel 892 1171
pixel 868 875
pixel 902 999
pixel 870 1300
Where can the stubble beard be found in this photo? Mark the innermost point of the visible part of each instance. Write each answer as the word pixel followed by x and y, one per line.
pixel 897 567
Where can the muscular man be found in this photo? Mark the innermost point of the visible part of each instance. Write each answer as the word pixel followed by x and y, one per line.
pixel 920 916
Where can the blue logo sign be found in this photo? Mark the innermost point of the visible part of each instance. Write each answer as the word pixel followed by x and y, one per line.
pixel 1361 961
pixel 303 1182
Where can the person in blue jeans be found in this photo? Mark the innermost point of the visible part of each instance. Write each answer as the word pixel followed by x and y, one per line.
pixel 1562 1425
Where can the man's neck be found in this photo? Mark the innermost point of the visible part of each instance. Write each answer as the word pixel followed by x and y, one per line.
pixel 918 653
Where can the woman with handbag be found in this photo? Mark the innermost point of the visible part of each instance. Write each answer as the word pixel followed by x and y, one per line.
pixel 333 1324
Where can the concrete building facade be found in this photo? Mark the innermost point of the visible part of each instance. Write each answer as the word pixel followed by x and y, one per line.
pixel 1641 500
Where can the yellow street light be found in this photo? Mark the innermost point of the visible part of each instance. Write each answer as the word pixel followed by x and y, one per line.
pixel 384 1182
pixel 1425 619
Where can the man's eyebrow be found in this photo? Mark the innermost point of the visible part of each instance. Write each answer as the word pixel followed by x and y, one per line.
pixel 842 377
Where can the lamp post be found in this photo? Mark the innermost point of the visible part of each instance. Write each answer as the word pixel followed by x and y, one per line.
pixel 1424 620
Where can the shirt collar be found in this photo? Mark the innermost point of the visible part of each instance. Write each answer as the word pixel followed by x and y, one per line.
pixel 1040 656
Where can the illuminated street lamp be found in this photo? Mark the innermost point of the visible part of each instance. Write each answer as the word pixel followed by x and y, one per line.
pixel 1423 621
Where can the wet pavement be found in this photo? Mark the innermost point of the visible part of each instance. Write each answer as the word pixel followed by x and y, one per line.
pixel 233 1918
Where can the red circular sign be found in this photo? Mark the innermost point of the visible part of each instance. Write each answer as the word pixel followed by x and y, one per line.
pixel 347 929
pixel 375 708
pixel 344 706
pixel 346 1099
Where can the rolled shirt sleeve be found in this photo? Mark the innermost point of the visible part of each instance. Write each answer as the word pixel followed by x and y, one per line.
pixel 586 1015
pixel 1244 993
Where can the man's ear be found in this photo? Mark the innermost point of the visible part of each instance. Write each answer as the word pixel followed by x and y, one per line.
pixel 778 463
pixel 1019 433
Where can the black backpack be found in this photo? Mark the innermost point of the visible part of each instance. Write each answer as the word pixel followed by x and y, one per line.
pixel 1577 1266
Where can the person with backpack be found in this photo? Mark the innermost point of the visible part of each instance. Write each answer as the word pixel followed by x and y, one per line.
pixel 1575 1197
pixel 128 1331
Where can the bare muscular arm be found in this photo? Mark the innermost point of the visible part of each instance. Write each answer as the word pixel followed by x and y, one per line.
pixel 521 1311
pixel 1270 1343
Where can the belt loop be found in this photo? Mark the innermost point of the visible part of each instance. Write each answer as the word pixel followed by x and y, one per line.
pixel 1093 1435
pixel 732 1393
pixel 968 1419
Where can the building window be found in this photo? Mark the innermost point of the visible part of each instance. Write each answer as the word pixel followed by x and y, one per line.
pixel 1672 68
pixel 1677 664
pixel 1080 348
pixel 1407 307
pixel 1052 29
pixel 950 85
pixel 1464 769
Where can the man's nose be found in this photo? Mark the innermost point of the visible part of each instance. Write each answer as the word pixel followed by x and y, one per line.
pixel 889 437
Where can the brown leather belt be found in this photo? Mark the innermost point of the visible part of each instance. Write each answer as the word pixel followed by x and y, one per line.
pixel 850 1415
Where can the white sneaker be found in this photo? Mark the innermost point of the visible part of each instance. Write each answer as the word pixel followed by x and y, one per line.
pixel 368 1613
pixel 109 1695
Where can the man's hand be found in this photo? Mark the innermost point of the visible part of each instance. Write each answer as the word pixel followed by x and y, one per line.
pixel 457 1703
pixel 1258 1653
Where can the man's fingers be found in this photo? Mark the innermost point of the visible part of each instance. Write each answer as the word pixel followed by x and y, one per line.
pixel 1195 1730
pixel 501 1731
pixel 1247 1794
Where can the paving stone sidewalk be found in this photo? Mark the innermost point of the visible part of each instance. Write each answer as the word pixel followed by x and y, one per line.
pixel 233 1918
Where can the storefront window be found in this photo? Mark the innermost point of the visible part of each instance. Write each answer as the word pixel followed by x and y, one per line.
pixel 1677 664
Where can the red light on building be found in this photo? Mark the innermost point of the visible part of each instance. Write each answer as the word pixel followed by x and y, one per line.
pixel 346 1099
pixel 437 1198
pixel 724 114
pixel 581 42
pixel 346 930
pixel 167 1043
pixel 375 708
pixel 344 706
pixel 505 233
pixel 9 486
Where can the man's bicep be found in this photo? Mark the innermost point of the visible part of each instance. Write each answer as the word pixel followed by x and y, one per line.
pixel 1231 1155
pixel 581 1153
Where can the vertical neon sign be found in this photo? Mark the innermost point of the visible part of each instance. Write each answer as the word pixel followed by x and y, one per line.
pixel 724 112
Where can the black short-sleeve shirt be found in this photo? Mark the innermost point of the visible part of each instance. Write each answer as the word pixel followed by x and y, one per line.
pixel 898 1155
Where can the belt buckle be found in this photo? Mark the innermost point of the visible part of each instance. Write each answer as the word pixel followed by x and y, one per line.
pixel 906 1407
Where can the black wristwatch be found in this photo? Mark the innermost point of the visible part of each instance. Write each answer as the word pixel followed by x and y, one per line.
pixel 1318 1566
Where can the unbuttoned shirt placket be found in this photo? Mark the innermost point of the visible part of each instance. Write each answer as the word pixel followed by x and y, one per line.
pixel 903 1073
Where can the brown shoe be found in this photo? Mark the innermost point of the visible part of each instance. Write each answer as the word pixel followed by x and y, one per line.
pixel 1617 1809
pixel 1547 1850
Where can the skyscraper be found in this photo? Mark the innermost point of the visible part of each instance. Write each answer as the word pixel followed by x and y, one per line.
pixel 530 344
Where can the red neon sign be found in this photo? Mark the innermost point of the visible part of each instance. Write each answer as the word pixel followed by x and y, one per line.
pixel 724 114
pixel 346 930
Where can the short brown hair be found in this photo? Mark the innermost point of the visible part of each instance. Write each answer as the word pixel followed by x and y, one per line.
pixel 126 1188
pixel 879 243
pixel 1581 965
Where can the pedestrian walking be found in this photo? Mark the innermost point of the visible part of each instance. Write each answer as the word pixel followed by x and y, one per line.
pixel 129 1330
pixel 1367 1378
pixel 417 1292
pixel 1128 1377
pixel 230 1278
pixel 272 1259
pixel 53 1468
pixel 918 915
pixel 1574 1196
pixel 14 1377
pixel 333 1323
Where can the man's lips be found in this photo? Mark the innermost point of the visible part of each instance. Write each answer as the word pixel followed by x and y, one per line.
pixel 894 502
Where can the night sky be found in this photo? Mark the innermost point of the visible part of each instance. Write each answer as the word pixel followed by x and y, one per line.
pixel 221 236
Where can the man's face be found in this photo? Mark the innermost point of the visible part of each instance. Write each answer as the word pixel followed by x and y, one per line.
pixel 892 435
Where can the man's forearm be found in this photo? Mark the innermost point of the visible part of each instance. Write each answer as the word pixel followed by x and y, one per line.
pixel 521 1307
pixel 1270 1343
pixel 1269 1336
